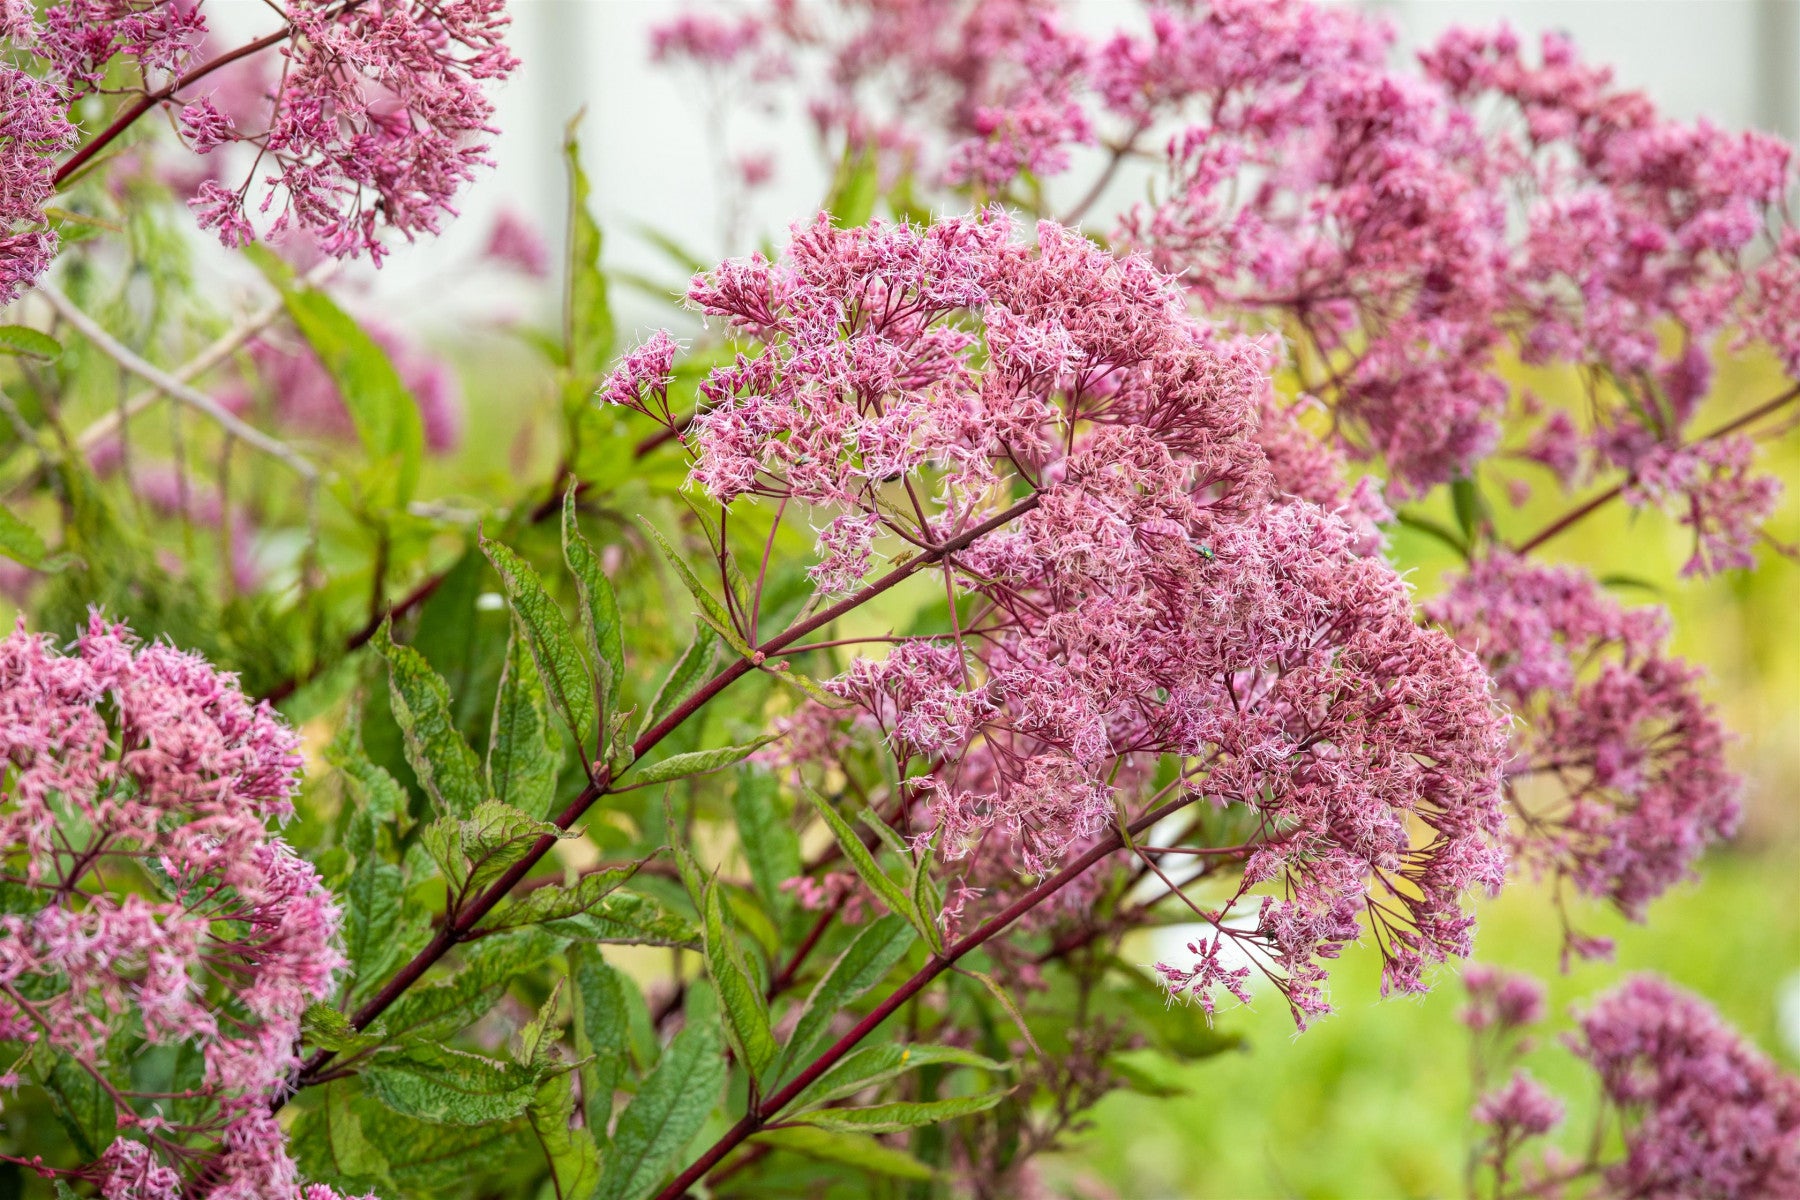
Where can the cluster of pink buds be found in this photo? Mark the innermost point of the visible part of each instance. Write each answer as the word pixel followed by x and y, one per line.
pixel 151 905
pixel 1138 585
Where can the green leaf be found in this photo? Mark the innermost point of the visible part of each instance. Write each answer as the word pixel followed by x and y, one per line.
pixel 684 676
pixel 599 606
pixel 328 1029
pixel 746 1016
pixel 572 1155
pixel 863 964
pixel 440 757
pixel 857 187
pixel 886 890
pixel 426 1159
pixel 438 1012
pixel 559 661
pixel 770 847
pixel 1471 508
pixel 372 905
pixel 376 802
pixel 712 610
pixel 1136 1078
pixel 82 1106
pixel 523 750
pixel 1010 1007
pixel 900 1115
pixel 553 902
pixel 927 905
pixel 450 1087
pixel 697 762
pixel 26 342
pixel 385 414
pixel 628 919
pixel 587 314
pixel 668 1110
pixel 19 541
pixel 331 1147
pixel 874 1065
pixel 602 1033
pixel 473 853
pixel 857 1150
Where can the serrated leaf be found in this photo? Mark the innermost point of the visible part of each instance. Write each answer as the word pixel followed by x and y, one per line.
pixel 81 1105
pixel 373 898
pixel 571 1153
pixel 328 1029
pixel 553 902
pixel 445 765
pixel 523 750
pixel 711 609
pixel 329 1144
pixel 425 1159
pixel 560 665
pixel 628 919
pixel 858 1150
pixel 746 1016
pixel 599 606
pixel 695 762
pixel 450 1087
pixel 863 964
pixel 900 1115
pixel 26 342
pixel 441 1010
pixel 927 904
pixel 689 669
pixel 19 541
pixel 472 853
pixel 668 1110
pixel 602 1033
pixel 381 408
pixel 886 890
pixel 587 314
pixel 376 802
pixel 872 1066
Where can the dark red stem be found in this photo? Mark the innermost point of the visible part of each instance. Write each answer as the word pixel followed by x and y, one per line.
pixel 471 914
pixel 761 1113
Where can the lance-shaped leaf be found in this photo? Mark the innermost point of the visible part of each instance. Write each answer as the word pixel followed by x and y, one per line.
pixel 684 676
pixel 523 750
pixel 740 996
pixel 559 660
pixel 857 1150
pixel 19 541
pixel 863 964
pixel 628 919
pixel 602 1033
pixel 695 762
pixel 450 1087
pixel 571 1153
pixel 712 610
pixel 668 1110
pixel 769 844
pixel 472 853
pixel 893 1118
pixel 442 760
pixel 555 901
pixel 874 1065
pixel 372 901
pixel 587 315
pixel 26 342
pixel 331 1146
pixel 599 606
pixel 381 408
pixel 886 890
pixel 325 1028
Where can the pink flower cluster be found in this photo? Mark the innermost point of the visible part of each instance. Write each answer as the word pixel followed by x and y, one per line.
pixel 1618 780
pixel 1407 232
pixel 36 130
pixel 139 786
pixel 378 119
pixel 1153 594
pixel 1705 1113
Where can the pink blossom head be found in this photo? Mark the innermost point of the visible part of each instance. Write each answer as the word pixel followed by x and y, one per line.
pixel 141 784
pixel 1704 1112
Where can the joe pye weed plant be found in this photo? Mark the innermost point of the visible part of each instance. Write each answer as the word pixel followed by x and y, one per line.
pixel 767 799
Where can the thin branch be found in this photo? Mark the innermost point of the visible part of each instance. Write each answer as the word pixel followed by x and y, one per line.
pixel 176 389
pixel 228 344
pixel 470 915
